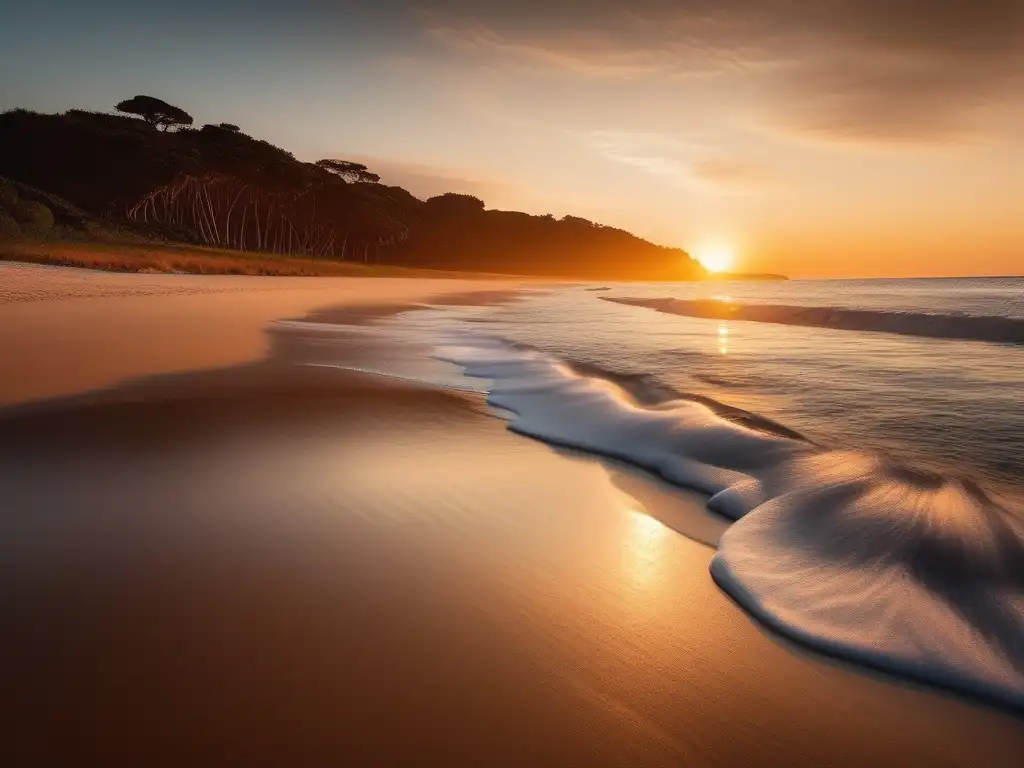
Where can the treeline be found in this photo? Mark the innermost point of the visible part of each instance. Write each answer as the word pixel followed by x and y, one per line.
pixel 215 185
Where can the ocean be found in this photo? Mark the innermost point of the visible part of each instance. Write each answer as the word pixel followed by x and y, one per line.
pixel 866 436
pixel 948 404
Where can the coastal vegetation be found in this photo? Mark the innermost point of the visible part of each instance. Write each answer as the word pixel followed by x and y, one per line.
pixel 147 176
pixel 149 257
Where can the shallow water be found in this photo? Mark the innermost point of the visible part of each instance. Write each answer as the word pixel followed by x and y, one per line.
pixel 950 405
pixel 879 507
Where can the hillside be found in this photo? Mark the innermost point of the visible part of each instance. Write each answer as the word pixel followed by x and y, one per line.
pixel 106 175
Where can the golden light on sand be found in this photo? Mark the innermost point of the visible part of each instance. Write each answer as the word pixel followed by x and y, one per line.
pixel 718 258
pixel 645 546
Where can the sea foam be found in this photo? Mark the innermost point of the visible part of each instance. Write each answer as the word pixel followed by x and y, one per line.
pixel 848 552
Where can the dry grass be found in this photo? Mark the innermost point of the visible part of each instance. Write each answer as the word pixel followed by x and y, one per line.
pixel 172 259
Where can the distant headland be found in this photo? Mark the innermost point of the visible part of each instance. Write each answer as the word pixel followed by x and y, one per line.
pixel 739 276
pixel 146 175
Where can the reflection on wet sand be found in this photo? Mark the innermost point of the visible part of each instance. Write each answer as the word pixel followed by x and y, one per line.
pixel 645 550
pixel 290 565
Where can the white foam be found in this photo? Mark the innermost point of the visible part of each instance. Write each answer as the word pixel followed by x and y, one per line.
pixel 848 552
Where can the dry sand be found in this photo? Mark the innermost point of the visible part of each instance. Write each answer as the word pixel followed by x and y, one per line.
pixel 66 330
pixel 267 564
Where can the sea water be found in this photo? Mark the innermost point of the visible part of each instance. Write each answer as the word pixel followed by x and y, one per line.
pixel 874 467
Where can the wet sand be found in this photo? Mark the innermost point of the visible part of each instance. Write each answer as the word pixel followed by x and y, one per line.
pixel 273 564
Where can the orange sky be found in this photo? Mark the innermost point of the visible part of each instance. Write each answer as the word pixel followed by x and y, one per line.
pixel 860 141
pixel 839 138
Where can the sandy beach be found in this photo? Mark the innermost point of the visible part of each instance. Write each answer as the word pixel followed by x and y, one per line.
pixel 212 555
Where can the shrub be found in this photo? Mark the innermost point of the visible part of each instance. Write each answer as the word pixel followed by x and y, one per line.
pixel 8 194
pixel 34 215
pixel 9 228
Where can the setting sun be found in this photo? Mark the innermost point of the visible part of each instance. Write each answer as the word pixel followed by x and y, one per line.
pixel 718 259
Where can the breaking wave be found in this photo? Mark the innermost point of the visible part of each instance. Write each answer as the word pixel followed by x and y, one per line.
pixel 850 552
pixel 1006 330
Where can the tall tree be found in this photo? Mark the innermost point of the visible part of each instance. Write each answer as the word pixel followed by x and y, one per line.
pixel 156 112
pixel 349 171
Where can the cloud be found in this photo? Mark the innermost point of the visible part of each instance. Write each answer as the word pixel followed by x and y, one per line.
pixel 591 53
pixel 866 70
pixel 652 153
pixel 679 162
pixel 728 173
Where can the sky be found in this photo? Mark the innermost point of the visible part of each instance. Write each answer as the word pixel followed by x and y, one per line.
pixel 823 138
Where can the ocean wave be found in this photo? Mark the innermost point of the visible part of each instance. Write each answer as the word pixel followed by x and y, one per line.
pixel 1006 330
pixel 848 552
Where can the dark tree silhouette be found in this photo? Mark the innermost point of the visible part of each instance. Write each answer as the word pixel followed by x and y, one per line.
pixel 349 171
pixel 156 112
pixel 229 127
pixel 577 220
pixel 220 187
pixel 456 203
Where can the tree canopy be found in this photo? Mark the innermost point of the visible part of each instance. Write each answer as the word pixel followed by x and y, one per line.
pixel 455 202
pixel 349 171
pixel 155 112
pixel 578 221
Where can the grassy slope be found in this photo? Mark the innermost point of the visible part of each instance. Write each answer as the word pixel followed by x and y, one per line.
pixel 203 261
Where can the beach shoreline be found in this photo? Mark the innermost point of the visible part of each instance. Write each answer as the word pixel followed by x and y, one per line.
pixel 65 330
pixel 210 554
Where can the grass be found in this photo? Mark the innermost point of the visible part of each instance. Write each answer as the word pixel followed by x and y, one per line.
pixel 176 259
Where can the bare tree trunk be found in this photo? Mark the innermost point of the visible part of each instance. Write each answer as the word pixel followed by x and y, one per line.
pixel 241 232
pixel 205 189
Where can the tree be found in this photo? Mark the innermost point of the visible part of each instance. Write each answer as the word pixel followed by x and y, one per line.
pixel 156 112
pixel 578 221
pixel 349 171
pixel 455 202
pixel 229 127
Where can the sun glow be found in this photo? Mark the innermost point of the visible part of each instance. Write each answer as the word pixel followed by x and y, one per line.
pixel 716 259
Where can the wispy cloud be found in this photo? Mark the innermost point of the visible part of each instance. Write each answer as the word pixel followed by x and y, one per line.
pixel 728 173
pixel 650 152
pixel 868 70
pixel 679 162
pixel 428 180
pixel 591 55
